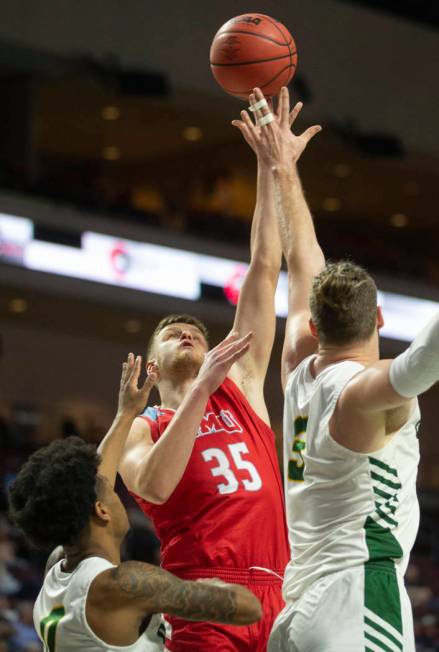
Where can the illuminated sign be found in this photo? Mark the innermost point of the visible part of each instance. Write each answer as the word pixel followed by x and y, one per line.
pixel 15 234
pixel 172 272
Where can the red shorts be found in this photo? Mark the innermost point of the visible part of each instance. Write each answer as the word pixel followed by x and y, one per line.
pixel 184 635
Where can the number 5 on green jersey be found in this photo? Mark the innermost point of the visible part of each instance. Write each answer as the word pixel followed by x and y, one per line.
pixel 296 464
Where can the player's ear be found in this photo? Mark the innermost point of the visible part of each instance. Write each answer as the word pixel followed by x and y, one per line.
pixel 102 512
pixel 313 329
pixel 380 318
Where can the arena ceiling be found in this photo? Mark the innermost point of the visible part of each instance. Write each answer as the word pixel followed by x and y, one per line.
pixel 421 11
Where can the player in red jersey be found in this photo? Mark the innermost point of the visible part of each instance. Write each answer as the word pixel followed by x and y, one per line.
pixel 203 465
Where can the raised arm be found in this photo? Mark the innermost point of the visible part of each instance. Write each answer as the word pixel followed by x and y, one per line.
pixel 143 589
pixel 143 463
pixel 299 242
pixel 255 310
pixel 132 400
pixel 385 390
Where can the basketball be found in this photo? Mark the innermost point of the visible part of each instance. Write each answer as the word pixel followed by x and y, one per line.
pixel 253 50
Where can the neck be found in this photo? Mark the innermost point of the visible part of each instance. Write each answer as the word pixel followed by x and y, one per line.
pixel 173 390
pixel 366 353
pixel 102 546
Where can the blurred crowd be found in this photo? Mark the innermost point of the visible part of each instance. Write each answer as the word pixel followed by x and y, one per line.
pixel 21 568
pixel 422 580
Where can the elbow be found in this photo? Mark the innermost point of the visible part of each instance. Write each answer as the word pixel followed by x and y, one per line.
pixel 249 607
pixel 253 611
pixel 152 492
pixel 311 259
pixel 265 267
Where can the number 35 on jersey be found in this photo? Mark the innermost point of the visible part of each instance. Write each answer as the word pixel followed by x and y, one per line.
pixel 245 475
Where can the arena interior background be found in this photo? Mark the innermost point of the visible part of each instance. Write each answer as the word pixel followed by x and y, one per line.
pixel 111 124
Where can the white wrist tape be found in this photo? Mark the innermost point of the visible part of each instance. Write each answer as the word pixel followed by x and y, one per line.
pixel 258 105
pixel 266 119
pixel 417 369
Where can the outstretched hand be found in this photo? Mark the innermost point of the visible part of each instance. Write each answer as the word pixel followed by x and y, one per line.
pixel 132 398
pixel 274 143
pixel 219 360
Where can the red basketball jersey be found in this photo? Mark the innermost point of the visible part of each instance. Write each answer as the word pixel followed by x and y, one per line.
pixel 227 511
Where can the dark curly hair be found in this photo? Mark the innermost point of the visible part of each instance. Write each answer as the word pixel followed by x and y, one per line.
pixel 53 496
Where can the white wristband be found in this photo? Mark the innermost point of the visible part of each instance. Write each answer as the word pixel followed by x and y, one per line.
pixel 417 369
pixel 266 119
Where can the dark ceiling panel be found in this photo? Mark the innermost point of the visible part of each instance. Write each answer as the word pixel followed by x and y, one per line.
pixel 422 11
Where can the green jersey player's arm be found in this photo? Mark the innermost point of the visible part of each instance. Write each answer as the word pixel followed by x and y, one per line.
pixel 131 401
pixel 121 597
pixel 304 261
pixel 378 401
pixel 298 238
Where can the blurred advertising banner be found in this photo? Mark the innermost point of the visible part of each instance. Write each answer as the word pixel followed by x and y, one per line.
pixel 173 272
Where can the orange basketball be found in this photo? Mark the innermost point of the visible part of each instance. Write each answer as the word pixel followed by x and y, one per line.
pixel 253 50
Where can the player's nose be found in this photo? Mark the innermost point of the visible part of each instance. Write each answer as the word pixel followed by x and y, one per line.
pixel 186 335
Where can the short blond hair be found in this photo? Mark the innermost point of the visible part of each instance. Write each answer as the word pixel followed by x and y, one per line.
pixel 343 303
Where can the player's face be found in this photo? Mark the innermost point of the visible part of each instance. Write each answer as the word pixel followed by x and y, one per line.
pixel 119 518
pixel 180 347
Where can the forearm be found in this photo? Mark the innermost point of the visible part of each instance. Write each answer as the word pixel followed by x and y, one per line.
pixel 159 591
pixel 265 244
pixel 259 286
pixel 174 448
pixel 298 236
pixel 304 260
pixel 417 369
pixel 112 446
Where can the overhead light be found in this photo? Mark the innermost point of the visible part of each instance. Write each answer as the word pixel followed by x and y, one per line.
pixel 331 204
pixel 110 112
pixel 342 170
pixel 111 153
pixel 133 326
pixel 399 220
pixel 192 133
pixel 18 306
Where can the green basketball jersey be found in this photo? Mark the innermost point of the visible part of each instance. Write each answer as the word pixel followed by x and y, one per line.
pixel 343 508
pixel 60 613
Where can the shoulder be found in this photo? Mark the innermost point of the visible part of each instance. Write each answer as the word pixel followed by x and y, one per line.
pixel 54 557
pixel 297 374
pixel 140 430
pixel 103 587
pixel 247 398
pixel 323 389
pixel 138 445
pixel 335 380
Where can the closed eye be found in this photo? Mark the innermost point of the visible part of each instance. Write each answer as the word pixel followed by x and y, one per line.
pixel 171 334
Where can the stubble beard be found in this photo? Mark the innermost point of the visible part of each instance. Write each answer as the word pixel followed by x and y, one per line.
pixel 185 366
